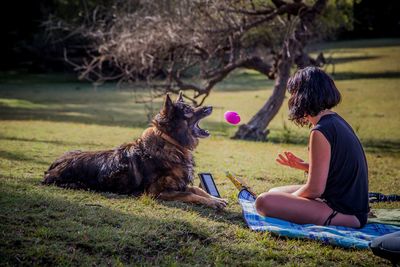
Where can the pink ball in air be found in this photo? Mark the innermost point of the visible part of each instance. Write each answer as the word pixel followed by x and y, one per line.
pixel 232 117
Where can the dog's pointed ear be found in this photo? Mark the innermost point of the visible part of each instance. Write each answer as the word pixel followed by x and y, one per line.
pixel 167 107
pixel 180 97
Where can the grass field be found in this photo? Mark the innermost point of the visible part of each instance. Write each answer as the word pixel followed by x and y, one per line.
pixel 42 116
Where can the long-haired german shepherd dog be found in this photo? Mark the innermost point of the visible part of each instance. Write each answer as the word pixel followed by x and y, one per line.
pixel 160 163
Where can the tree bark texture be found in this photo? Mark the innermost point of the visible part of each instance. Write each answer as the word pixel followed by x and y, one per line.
pixel 255 129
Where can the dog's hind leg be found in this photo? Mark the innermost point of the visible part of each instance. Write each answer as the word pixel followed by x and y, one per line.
pixel 59 181
pixel 66 157
pixel 59 177
pixel 53 178
pixel 58 172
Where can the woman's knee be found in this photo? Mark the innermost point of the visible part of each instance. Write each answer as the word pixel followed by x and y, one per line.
pixel 265 203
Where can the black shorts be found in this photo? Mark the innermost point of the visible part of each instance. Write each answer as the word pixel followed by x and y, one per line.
pixel 362 218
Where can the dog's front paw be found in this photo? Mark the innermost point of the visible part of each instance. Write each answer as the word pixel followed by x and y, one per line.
pixel 217 203
pixel 221 199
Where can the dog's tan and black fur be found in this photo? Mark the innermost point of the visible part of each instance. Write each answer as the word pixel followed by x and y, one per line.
pixel 160 163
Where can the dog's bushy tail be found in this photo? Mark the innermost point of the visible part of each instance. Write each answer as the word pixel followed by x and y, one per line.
pixel 54 175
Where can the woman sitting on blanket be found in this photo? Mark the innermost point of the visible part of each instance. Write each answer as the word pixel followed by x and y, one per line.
pixel 336 191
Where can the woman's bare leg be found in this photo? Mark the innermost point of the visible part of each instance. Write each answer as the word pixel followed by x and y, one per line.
pixel 300 210
pixel 286 189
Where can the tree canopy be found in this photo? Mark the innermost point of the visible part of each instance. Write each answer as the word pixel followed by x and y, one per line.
pixel 190 46
pixel 205 40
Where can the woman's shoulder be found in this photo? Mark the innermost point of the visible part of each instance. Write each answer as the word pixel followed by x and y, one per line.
pixel 337 122
pixel 326 126
pixel 328 121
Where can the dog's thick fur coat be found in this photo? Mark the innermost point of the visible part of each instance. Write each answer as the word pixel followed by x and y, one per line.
pixel 160 163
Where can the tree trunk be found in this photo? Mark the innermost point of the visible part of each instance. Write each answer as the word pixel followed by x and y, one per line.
pixel 255 129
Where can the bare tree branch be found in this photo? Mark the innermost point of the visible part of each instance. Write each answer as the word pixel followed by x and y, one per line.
pixel 193 45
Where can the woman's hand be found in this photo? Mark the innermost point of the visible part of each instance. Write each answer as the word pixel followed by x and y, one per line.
pixel 289 159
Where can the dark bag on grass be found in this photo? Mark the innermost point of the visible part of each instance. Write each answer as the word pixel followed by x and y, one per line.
pixel 388 247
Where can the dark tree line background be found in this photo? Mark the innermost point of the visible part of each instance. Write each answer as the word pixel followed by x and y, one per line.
pixel 24 45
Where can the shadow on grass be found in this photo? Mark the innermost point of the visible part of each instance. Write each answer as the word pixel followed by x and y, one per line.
pixel 40 229
pixel 53 142
pixel 85 116
pixel 359 75
pixel 381 146
pixel 340 60
pixel 370 145
pixel 14 156
pixel 281 136
pixel 245 81
pixel 225 216
pixel 288 138
pixel 60 102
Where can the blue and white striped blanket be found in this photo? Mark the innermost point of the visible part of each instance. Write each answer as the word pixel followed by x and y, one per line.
pixel 334 235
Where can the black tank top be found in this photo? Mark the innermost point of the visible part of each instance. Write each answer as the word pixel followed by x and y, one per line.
pixel 346 189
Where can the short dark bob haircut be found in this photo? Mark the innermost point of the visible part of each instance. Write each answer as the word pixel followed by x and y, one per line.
pixel 312 91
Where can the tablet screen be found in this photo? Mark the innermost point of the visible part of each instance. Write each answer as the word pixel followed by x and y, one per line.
pixel 208 180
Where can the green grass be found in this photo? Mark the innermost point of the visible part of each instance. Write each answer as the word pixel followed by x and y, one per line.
pixel 43 116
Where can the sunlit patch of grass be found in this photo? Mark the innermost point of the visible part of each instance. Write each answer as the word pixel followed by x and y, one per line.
pixel 19 103
pixel 75 114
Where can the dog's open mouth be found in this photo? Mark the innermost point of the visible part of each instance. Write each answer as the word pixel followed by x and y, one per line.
pixel 197 130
